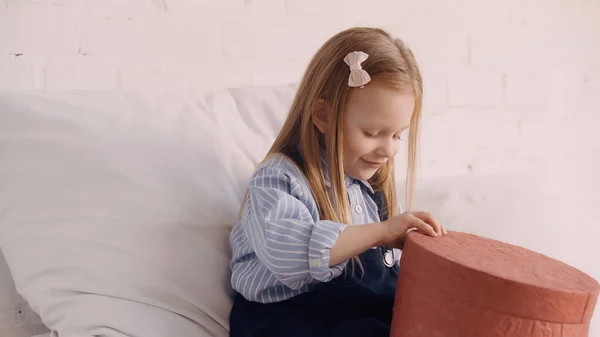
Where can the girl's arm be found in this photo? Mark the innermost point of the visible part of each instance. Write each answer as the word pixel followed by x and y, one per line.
pixel 281 222
pixel 284 231
pixel 356 239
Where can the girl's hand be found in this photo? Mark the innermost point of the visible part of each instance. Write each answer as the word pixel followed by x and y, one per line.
pixel 356 239
pixel 398 226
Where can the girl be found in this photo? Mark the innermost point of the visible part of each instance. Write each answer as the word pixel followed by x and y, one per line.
pixel 313 248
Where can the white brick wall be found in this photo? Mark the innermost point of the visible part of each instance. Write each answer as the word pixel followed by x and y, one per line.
pixel 473 53
pixel 510 85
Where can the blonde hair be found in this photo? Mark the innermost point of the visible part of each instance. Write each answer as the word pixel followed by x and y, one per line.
pixel 326 77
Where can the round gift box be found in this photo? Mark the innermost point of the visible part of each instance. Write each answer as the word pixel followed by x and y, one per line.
pixel 464 285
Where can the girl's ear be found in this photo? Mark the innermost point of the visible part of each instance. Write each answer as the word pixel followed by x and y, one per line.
pixel 319 114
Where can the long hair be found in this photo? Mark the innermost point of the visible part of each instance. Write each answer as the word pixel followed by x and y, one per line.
pixel 326 77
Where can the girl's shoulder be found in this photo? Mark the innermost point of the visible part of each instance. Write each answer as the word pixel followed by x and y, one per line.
pixel 280 163
pixel 280 171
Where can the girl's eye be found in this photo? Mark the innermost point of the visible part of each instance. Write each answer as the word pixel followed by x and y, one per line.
pixel 370 134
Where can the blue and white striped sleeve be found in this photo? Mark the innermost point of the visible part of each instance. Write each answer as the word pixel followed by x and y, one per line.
pixel 283 232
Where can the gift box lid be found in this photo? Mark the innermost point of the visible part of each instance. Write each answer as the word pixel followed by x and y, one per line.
pixel 500 276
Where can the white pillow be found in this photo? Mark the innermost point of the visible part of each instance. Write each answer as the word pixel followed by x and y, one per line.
pixel 16 317
pixel 115 208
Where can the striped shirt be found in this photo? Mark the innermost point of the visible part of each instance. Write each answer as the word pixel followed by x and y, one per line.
pixel 280 246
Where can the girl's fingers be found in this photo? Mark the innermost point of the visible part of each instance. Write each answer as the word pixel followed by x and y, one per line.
pixel 423 227
pixel 428 218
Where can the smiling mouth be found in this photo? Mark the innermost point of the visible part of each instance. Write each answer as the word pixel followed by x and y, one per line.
pixel 373 164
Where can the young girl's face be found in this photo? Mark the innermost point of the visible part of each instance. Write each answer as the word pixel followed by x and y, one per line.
pixel 375 120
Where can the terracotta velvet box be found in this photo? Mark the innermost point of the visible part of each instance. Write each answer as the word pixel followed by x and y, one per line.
pixel 463 285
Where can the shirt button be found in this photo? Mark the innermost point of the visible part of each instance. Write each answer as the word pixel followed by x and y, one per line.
pixel 358 209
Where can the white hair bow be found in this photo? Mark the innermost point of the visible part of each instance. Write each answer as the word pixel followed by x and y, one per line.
pixel 358 76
